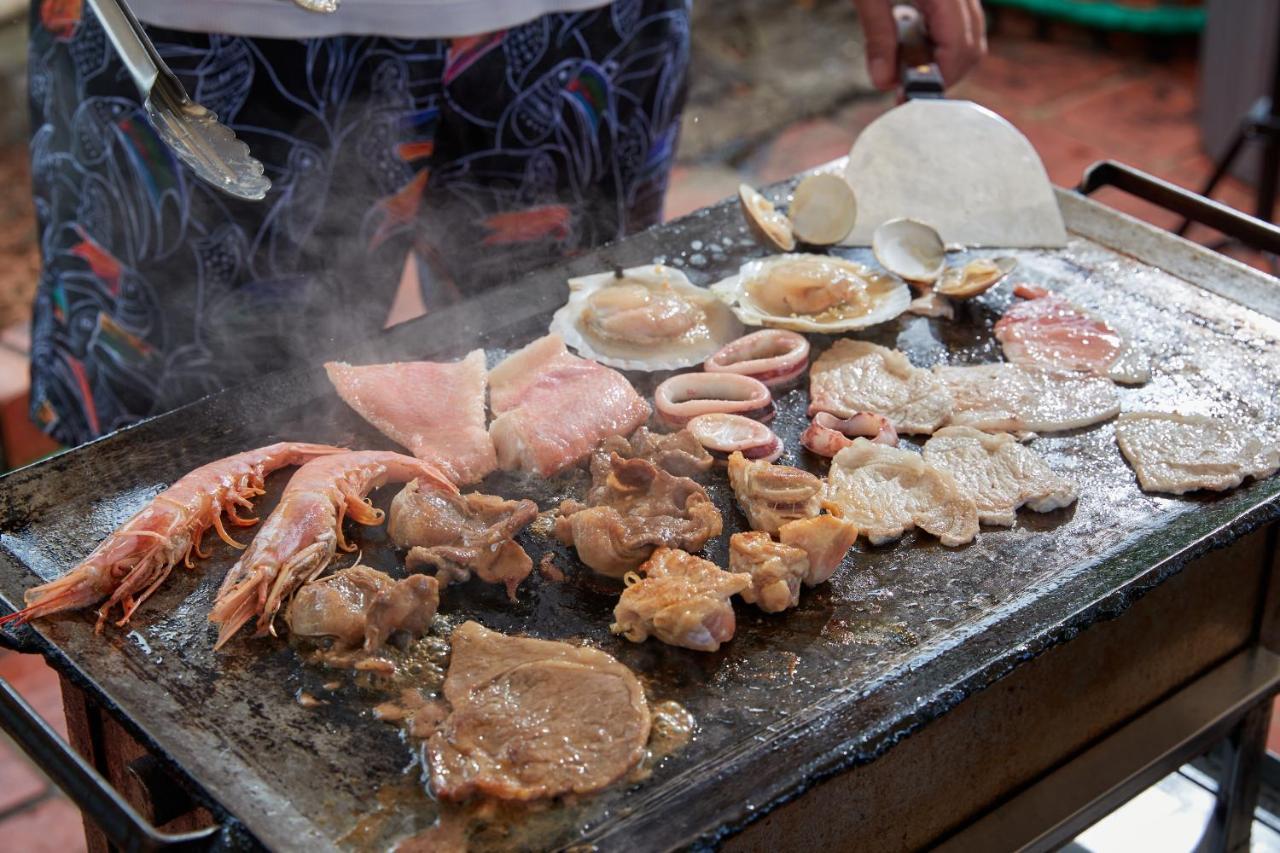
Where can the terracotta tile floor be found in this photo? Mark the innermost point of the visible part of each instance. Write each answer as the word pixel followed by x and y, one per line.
pixel 1075 103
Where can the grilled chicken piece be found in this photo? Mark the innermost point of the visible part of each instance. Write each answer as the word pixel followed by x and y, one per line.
pixel 855 376
pixel 677 453
pixel 998 473
pixel 358 609
pixel 1182 453
pixel 682 600
pixel 1010 398
pixel 776 570
pixel 886 491
pixel 824 539
pixel 632 508
pixel 771 495
pixel 461 534
pixel 533 719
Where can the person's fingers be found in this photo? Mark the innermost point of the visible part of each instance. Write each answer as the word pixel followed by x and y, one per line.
pixel 881 35
pixel 957 31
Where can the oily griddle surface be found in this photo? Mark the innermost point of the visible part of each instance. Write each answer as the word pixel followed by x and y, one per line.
pixel 899 635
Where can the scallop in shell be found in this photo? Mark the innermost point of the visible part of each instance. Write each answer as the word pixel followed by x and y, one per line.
pixel 974 278
pixel 767 224
pixel 910 249
pixel 644 318
pixel 812 293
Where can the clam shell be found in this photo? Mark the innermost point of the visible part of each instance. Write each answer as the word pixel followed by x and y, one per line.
pixel 823 210
pixel 767 224
pixel 909 249
pixel 974 278
pixel 888 297
pixel 717 328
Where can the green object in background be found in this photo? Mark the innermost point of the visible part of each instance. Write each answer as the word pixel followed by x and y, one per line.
pixel 1108 15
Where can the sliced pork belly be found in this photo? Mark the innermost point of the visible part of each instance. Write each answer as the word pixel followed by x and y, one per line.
pixel 1005 397
pixel 886 491
pixel 998 473
pixel 435 409
pixel 1047 331
pixel 1182 453
pixel 855 376
pixel 552 408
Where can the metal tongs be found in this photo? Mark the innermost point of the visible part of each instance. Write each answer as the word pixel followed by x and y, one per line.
pixel 191 131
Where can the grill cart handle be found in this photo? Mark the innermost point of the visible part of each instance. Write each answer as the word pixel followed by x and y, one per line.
pixel 1240 226
pixel 123 826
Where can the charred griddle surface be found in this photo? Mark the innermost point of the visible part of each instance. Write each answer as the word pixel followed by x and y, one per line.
pixel 900 635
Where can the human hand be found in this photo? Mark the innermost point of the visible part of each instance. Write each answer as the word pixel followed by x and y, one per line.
pixel 956 27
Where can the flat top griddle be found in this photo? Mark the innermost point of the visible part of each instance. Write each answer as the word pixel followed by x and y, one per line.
pixel 900 635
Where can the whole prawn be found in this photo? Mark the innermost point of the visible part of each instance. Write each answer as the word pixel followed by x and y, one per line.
pixel 131 564
pixel 304 532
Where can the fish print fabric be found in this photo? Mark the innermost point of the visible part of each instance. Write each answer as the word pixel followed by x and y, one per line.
pixel 479 157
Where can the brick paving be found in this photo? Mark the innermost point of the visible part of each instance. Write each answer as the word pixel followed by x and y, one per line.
pixel 1076 103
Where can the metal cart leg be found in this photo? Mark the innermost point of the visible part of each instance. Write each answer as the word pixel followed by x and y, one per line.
pixel 1232 819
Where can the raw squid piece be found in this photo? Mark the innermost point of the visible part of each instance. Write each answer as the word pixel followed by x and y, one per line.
pixel 434 409
pixel 687 395
pixel 724 435
pixel 827 435
pixel 775 357
pixel 1045 330
pixel 135 560
pixel 304 532
pixel 552 408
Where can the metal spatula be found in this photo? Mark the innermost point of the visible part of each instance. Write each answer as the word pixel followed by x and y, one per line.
pixel 954 165
pixel 191 131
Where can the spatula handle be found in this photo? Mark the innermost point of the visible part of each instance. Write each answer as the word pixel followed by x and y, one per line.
pixel 919 74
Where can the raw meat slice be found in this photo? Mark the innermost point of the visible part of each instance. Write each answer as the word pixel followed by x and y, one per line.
pixel 1182 453
pixel 856 376
pixel 998 473
pixel 1045 330
pixel 552 408
pixel 682 600
pixel 1005 397
pixel 435 409
pixel 533 719
pixel 886 491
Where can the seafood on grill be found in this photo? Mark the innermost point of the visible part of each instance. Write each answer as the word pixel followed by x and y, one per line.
pixel 775 357
pixel 856 376
pixel 825 539
pixel 435 409
pixel 765 222
pixel 909 249
pixel 680 599
pixel 776 570
pixel 678 453
pixel 1177 454
pixel 304 532
pixel 812 293
pixel 998 473
pixel 932 304
pixel 723 434
pixel 1045 330
pixel 644 318
pixel 1006 397
pixel 532 719
pixel 632 508
pixel 823 210
pixel 131 564
pixel 460 534
pixel 827 434
pixel 973 278
pixel 687 395
pixel 350 615
pixel 772 495
pixel 886 491
pixel 552 408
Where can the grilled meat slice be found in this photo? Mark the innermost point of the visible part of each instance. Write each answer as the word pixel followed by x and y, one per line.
pixel 771 495
pixel 677 453
pixel 680 599
pixel 776 570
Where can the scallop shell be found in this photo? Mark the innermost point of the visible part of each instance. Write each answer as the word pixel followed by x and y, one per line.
pixel 888 297
pixel 909 249
pixel 767 224
pixel 974 278
pixel 716 328
pixel 823 210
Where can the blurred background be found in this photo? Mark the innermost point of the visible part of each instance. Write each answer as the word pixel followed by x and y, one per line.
pixel 780 86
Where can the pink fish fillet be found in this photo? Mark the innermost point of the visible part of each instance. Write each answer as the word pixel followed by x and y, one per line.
pixel 436 409
pixel 552 408
pixel 1046 331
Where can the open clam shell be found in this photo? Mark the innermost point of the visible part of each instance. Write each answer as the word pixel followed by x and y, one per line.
pixel 767 224
pixel 909 249
pixel 974 278
pixel 646 318
pixel 812 293
pixel 823 210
